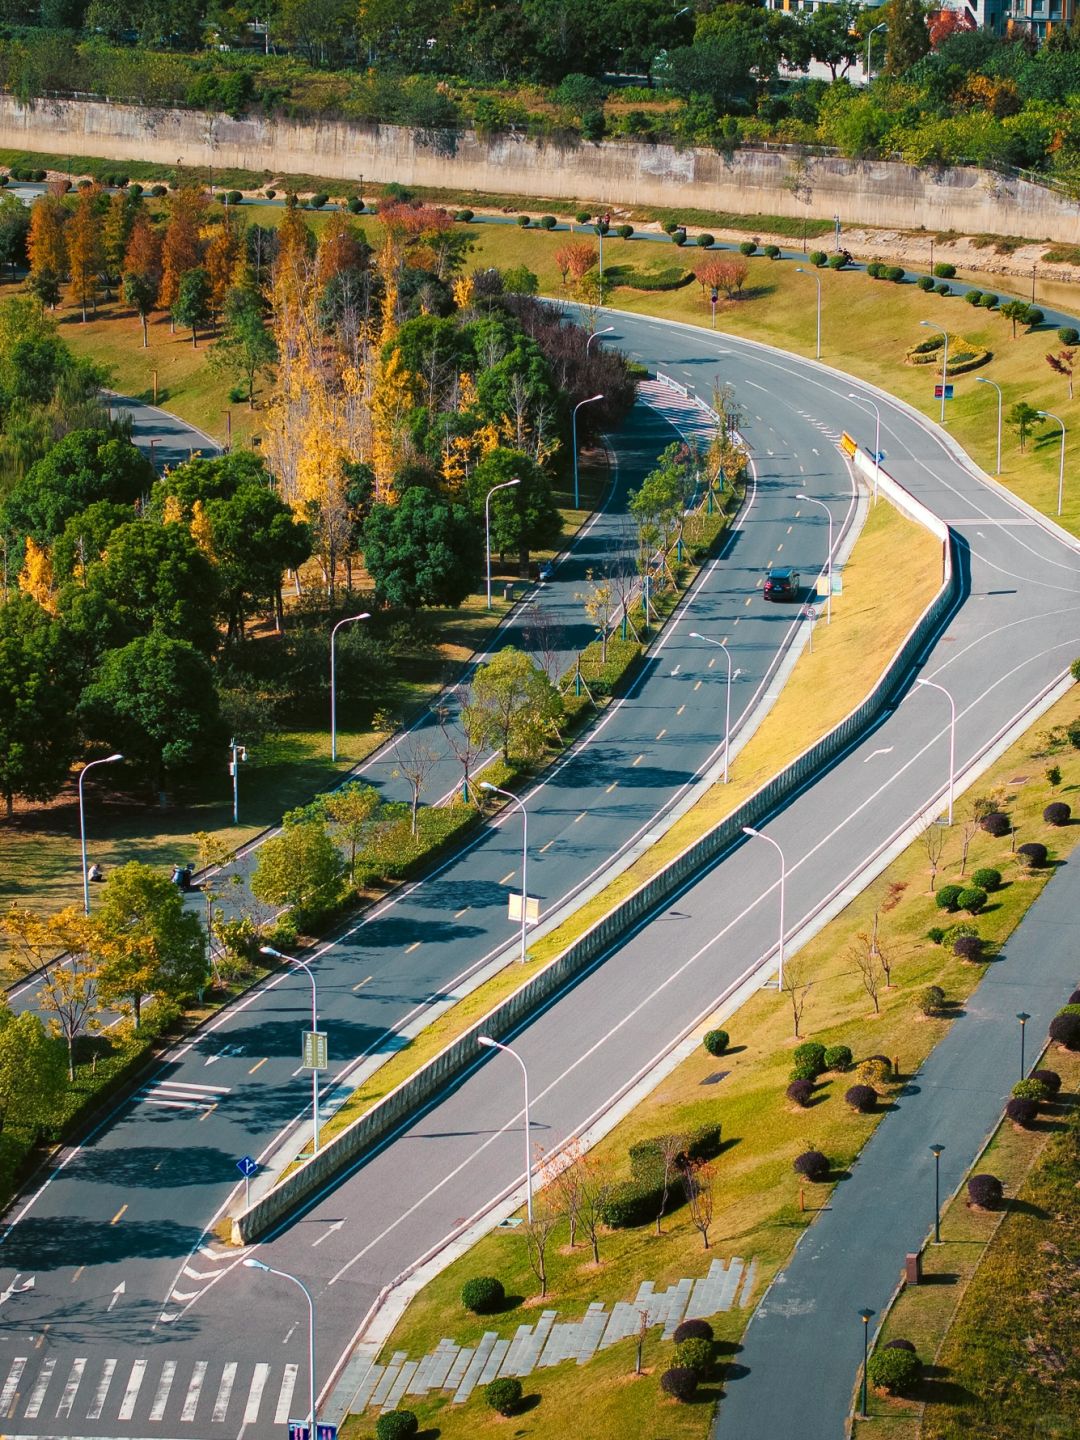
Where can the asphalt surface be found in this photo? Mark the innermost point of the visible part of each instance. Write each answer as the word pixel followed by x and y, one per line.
pixel 164 438
pixel 128 1208
pixel 850 1257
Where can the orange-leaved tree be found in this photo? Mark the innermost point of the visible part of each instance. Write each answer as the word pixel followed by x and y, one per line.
pixel 142 270
pixel 181 247
pixel 224 262
pixel 45 241
pixel 84 251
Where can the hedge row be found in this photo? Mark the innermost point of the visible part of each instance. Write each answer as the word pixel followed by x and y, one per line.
pixel 638 1201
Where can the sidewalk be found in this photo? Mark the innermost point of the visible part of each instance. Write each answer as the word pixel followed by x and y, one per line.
pixel 803 1346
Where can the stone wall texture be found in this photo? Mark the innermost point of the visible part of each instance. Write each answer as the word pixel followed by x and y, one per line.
pixel 768 182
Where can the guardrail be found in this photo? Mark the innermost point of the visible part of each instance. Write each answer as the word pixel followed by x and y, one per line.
pixel 454 1060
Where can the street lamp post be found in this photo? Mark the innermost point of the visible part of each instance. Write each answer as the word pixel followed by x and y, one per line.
pixel 982 380
pixel 1046 415
pixel 107 760
pixel 865 1316
pixel 506 484
pixel 606 331
pixel 349 620
pixel 1023 1017
pixel 600 233
pixel 238 754
pixel 936 1150
pixel 489 1044
pixel 514 800
pixel 254 1264
pixel 760 835
pixel 869 37
pixel 810 500
pixel 303 965
pixel 573 439
pixel 944 362
pixel 817 281
pixel 952 737
pixel 865 400
pixel 722 645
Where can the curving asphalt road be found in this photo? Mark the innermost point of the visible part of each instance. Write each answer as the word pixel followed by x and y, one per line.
pixel 128 1209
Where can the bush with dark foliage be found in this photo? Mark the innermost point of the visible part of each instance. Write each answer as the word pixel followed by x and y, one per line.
pixel 503 1395
pixel 985 1191
pixel 1049 1078
pixel 716 1041
pixel 679 1382
pixel 811 1164
pixel 1022 1112
pixel 862 1098
pixel 800 1091
pixel 996 823
pixel 1057 813
pixel 1033 854
pixel 693 1330
pixel 1065 1031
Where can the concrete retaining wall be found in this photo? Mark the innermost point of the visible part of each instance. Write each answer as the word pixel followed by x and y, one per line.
pixel 450 1064
pixel 768 182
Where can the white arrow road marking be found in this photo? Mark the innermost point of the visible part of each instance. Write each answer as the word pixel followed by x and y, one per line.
pixel 120 1289
pixel 328 1232
pixel 885 750
pixel 16 1289
pixel 183 1295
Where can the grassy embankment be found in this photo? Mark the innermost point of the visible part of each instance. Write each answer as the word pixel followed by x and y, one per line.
pixel 995 1322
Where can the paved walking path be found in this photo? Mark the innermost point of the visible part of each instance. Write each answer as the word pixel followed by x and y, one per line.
pixel 803 1347
pixel 460 1369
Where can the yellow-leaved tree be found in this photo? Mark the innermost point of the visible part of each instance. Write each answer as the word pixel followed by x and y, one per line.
pixel 36 575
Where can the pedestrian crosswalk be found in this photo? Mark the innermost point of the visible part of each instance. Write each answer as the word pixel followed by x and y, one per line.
pixel 178 1095
pixel 143 1391
pixel 693 421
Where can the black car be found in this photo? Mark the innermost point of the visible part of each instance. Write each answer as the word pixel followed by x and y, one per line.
pixel 782 584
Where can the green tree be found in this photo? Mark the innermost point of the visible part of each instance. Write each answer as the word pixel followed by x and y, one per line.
pixel 832 37
pixel 1021 418
pixel 155 701
pixel 14 228
pixel 513 705
pixel 659 506
pixel 31 1071
pixel 522 519
pixel 149 942
pixel 191 308
pixel 301 868
pixel 1018 312
pixel 85 537
pixel 141 293
pixel 908 36
pixel 350 811
pixel 38 690
pixel 86 465
pixel 246 348
pixel 254 537
pixel 422 551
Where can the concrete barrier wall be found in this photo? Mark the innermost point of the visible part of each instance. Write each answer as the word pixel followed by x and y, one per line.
pixel 768 182
pixel 450 1064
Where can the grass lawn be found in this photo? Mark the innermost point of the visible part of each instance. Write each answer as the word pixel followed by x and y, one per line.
pixel 995 1324
pixel 756 1194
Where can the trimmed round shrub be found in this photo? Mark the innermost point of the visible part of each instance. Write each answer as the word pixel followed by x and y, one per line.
pixel 482 1294
pixel 812 1165
pixel 1069 335
pixel 135 189
pixel 396 1425
pixel 157 191
pixel 800 1091
pixel 996 823
pixel 895 273
pixel 875 1070
pixel 1022 1112
pixel 985 1191
pixel 948 897
pixel 705 240
pixel 354 205
pixel 1050 1080
pixel 748 247
pixel 818 258
pixel 524 221
pixel 1057 813
pixel 716 1041
pixel 925 282
pixel 1031 1089
pixel 270 194
pixel 503 1395
pixel 805 1070
pixel 968 947
pixel 894 1371
pixel 988 301
pixel 583 217
pixel 1065 1031
pixel 772 251
pixel 987 879
pixel 669 227
pixel 973 296
pixel 874 269
pixel 679 1382
pixel 39 176
pixel 973 899
pixel 318 201
pixel 464 215
pixel 936 934
pixel 234 197
pixel 837 262
pixel 899 1345
pixel 930 1000
pixel 944 271
pixel 838 1057
pixel 1033 854
pixel 942 288
pixel 695 1355
pixel 862 1098
pixel 547 222
pixel 678 236
pixel 810 1052
pixel 624 231
pixel 693 1330
pixel 1034 316
pixel 1072 1008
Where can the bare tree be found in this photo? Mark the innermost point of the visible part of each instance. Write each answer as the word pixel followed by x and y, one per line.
pixel 541 636
pixel 623 577
pixel 642 1331
pixel 933 842
pixel 566 1180
pixel 537 1233
pixel 796 987
pixel 596 1186
pixel 698 1184
pixel 670 1147
pixel 416 758
pixel 460 736
pixel 601 607
pixel 865 956
pixel 968 830
pixel 883 951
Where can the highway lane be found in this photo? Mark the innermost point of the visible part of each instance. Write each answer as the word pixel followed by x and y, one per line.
pixel 128 1209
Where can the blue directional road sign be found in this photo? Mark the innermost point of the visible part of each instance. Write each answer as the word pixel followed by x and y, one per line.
pixel 948 392
pixel 300 1430
pixel 247 1166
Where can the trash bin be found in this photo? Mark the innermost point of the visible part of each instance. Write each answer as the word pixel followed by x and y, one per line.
pixel 508 593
